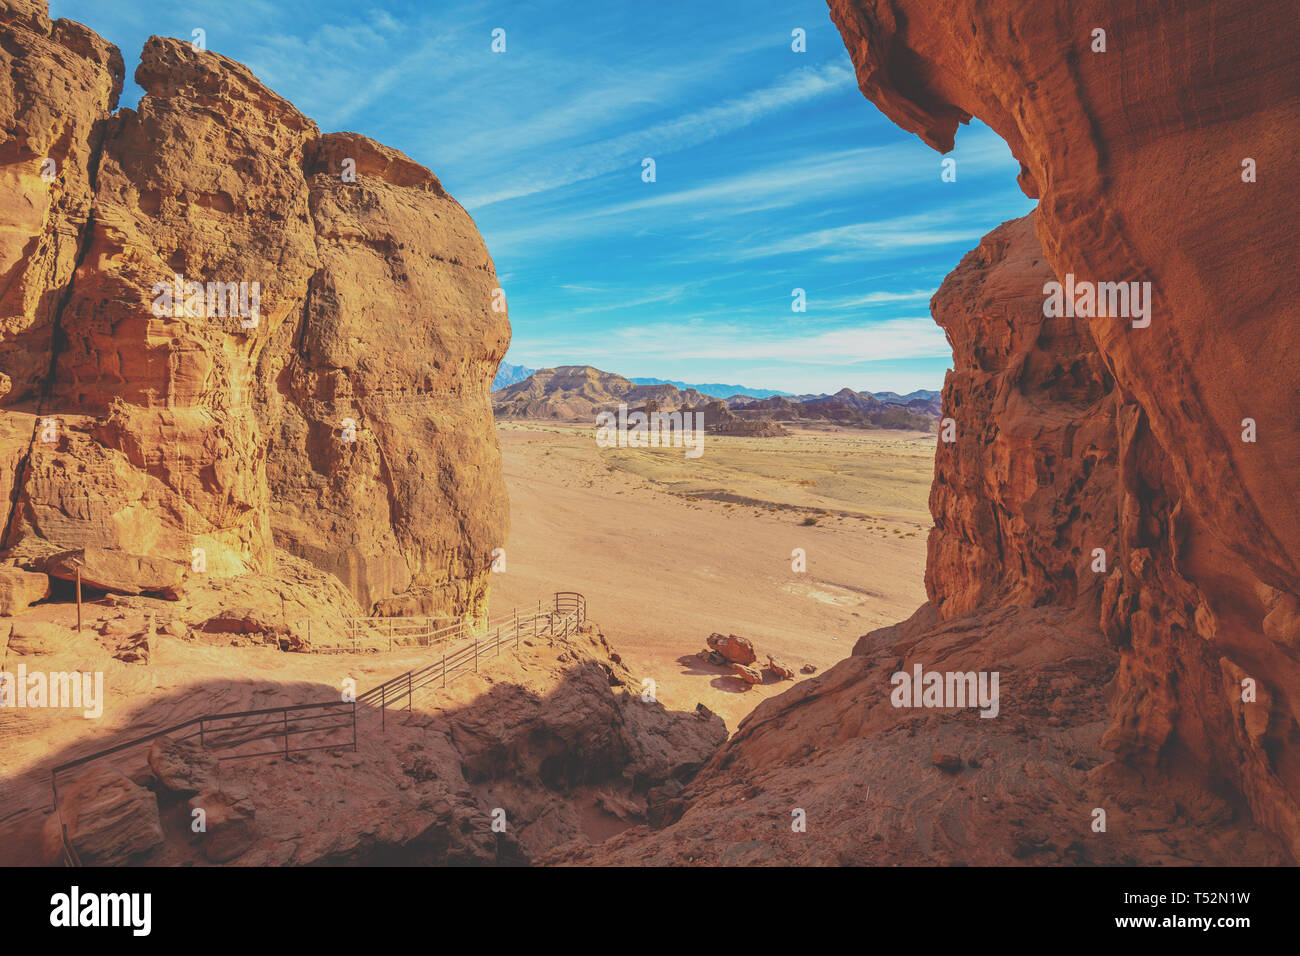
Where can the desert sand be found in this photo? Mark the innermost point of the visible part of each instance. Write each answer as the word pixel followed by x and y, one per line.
pixel 668 549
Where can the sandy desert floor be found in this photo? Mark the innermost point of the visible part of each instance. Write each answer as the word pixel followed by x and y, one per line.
pixel 668 549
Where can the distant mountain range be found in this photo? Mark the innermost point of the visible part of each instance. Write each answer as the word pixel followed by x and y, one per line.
pixel 578 392
pixel 509 374
pixel 712 388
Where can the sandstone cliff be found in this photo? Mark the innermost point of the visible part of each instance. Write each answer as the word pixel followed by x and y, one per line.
pixel 1164 167
pixel 328 400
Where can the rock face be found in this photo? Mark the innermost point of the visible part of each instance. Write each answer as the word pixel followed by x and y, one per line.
pixel 60 83
pixel 1031 486
pixel 1113 144
pixel 232 337
pixel 1104 539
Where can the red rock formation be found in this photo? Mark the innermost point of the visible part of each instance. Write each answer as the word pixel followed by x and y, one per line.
pixel 1136 156
pixel 59 83
pixel 736 649
pixel 331 401
pixel 1029 489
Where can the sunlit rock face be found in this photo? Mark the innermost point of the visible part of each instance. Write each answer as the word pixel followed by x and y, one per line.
pixel 1168 168
pixel 228 336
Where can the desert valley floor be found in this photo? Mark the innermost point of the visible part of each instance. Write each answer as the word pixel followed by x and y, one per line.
pixel 668 549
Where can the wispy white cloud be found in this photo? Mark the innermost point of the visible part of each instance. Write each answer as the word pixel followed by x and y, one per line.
pixel 862 239
pixel 863 174
pixel 664 138
pixel 871 298
pixel 915 337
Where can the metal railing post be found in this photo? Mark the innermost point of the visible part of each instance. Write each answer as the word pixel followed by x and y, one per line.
pixel 408 692
pixel 286 732
pixel 475 653
pixel 444 668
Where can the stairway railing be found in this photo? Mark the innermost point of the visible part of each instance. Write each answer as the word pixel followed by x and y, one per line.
pixel 238 729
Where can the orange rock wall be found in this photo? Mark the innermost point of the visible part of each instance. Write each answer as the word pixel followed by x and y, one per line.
pixel 1136 156
pixel 346 422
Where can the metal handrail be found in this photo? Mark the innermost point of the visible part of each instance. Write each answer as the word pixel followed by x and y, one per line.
pixel 569 612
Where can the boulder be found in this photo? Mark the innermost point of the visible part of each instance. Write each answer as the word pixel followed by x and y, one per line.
pixel 111 570
pixel 21 589
pixel 750 675
pixel 183 767
pixel 109 819
pixel 737 650
pixel 230 822
pixel 242 620
pixel 30 638
pixel 782 671
pixel 947 762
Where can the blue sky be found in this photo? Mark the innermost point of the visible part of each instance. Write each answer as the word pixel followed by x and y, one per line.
pixel 772 172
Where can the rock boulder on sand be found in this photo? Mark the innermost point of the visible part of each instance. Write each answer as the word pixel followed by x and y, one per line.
pixel 750 675
pixel 738 650
pixel 119 571
pixel 21 589
pixel 782 671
